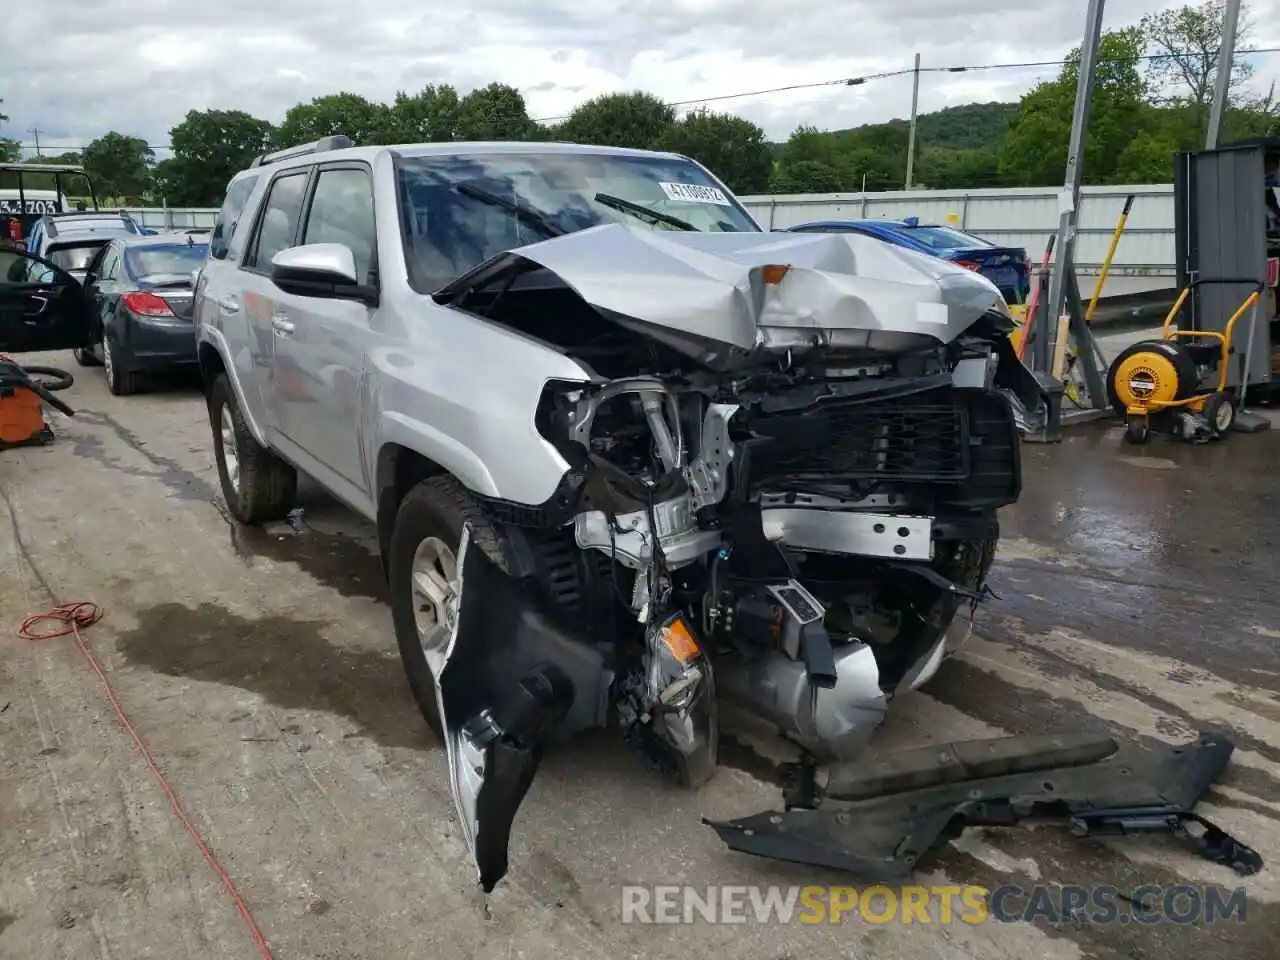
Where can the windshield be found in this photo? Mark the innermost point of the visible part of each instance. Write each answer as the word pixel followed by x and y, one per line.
pixel 458 211
pixel 944 238
pixel 176 258
pixel 74 258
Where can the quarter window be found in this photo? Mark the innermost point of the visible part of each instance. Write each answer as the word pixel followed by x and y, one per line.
pixel 279 225
pixel 228 216
pixel 342 212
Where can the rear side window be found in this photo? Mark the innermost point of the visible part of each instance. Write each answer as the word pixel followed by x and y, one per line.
pixel 73 257
pixel 944 238
pixel 278 226
pixel 228 216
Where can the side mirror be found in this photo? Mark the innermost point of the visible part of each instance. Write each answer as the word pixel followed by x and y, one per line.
pixel 320 270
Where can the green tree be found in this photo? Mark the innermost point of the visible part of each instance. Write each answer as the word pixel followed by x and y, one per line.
pixel 805 176
pixel 619 120
pixel 1034 152
pixel 495 112
pixel 10 150
pixel 349 114
pixel 809 152
pixel 120 166
pixel 1187 41
pixel 209 148
pixel 428 116
pixel 732 148
pixel 940 168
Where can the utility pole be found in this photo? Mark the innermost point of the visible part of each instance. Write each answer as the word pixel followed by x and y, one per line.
pixel 36 134
pixel 911 133
pixel 1222 82
pixel 1069 200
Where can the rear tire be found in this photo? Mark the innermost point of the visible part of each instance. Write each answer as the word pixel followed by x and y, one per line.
pixel 257 485
pixel 120 382
pixel 85 358
pixel 438 507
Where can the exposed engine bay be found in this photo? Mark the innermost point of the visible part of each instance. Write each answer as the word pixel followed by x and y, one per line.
pixel 790 521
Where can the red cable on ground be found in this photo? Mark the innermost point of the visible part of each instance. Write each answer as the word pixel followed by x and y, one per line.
pixel 75 616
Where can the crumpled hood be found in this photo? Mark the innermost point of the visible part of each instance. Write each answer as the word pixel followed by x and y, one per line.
pixel 838 289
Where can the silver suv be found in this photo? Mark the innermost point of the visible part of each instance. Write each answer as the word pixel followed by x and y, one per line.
pixel 677 462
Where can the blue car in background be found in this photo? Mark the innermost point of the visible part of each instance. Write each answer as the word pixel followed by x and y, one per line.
pixel 1007 267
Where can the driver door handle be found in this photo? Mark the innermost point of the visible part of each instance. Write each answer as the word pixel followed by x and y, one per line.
pixel 281 325
pixel 228 304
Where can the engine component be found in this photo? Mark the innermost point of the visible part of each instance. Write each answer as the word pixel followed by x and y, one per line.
pixel 629 539
pixel 833 723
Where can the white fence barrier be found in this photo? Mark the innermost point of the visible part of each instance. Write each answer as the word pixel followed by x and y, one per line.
pixel 1021 217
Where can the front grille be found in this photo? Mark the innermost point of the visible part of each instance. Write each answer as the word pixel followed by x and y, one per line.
pixel 963 441
pixel 907 438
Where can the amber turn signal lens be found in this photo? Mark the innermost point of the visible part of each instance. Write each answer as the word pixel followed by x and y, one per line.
pixel 679 640
pixel 774 272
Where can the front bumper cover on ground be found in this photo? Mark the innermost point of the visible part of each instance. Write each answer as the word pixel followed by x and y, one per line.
pixel 878 820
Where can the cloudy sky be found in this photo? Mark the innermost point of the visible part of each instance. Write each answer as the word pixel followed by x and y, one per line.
pixel 74 69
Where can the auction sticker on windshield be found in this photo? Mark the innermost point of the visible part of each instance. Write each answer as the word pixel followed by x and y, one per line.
pixel 694 193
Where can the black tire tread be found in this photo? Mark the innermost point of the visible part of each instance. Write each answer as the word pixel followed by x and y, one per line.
pixel 439 501
pixel 84 358
pixel 268 485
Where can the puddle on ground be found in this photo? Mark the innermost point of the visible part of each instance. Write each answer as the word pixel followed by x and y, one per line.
pixel 339 561
pixel 286 661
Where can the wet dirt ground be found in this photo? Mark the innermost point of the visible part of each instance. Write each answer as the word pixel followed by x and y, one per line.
pixel 1137 596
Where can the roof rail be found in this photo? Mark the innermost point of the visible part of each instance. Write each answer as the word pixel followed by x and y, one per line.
pixel 335 142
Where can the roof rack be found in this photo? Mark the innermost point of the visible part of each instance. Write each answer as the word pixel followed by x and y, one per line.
pixel 124 215
pixel 20 167
pixel 335 142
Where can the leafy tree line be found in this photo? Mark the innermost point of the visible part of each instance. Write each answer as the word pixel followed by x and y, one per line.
pixel 1154 82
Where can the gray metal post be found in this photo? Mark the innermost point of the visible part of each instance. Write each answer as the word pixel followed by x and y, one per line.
pixel 1222 82
pixel 911 133
pixel 1065 244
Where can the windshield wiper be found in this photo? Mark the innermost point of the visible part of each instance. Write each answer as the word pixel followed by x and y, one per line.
pixel 640 210
pixel 520 211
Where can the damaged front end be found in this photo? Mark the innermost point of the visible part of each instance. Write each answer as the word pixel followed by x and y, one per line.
pixel 784 462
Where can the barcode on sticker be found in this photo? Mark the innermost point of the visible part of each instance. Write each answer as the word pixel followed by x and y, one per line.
pixel 694 193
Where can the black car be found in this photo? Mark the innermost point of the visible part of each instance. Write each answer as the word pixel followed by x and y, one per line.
pixel 139 290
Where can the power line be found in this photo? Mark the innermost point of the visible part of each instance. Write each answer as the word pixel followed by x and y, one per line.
pixel 840 82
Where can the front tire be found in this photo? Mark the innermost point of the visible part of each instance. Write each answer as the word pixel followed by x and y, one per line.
pixel 85 358
pixel 422 569
pixel 257 485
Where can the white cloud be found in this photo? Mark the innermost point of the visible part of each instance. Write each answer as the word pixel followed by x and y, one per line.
pixel 75 69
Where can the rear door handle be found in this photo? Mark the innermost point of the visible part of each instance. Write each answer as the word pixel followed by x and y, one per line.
pixel 228 304
pixel 281 325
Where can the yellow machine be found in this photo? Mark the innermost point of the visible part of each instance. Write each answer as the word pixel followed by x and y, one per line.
pixel 1178 384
